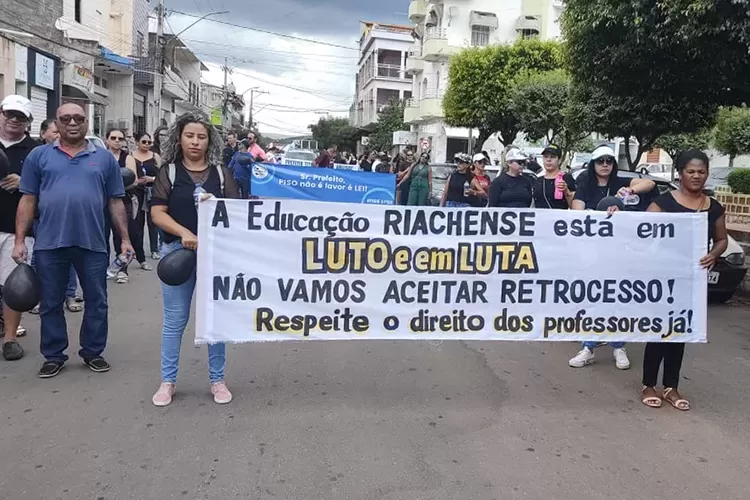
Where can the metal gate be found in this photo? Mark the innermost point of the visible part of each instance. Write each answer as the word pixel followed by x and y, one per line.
pixel 38 109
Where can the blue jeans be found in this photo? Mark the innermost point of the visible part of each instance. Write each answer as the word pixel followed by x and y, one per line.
pixel 53 269
pixel 72 288
pixel 177 301
pixel 615 345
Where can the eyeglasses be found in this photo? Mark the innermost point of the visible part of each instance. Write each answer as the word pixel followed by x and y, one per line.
pixel 146 142
pixel 15 115
pixel 607 160
pixel 116 138
pixel 521 162
pixel 66 119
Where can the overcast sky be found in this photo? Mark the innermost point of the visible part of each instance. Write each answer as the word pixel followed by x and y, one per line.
pixel 304 80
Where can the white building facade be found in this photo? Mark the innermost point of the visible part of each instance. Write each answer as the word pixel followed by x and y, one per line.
pixel 444 28
pixel 381 72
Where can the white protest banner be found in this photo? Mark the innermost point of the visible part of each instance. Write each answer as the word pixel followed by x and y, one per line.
pixel 291 269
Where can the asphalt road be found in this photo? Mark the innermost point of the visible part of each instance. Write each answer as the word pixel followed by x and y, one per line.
pixel 371 420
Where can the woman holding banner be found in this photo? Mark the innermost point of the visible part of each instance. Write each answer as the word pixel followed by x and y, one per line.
pixel 692 166
pixel 600 181
pixel 191 170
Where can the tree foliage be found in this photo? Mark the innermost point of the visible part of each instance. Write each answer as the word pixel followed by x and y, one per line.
pixel 674 143
pixel 335 131
pixel 732 134
pixel 638 74
pixel 390 120
pixel 540 102
pixel 478 95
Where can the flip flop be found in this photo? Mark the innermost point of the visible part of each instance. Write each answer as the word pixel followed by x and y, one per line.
pixel 73 306
pixel 653 401
pixel 680 404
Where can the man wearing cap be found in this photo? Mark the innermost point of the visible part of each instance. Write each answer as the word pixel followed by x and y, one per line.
pixel 598 182
pixel 15 143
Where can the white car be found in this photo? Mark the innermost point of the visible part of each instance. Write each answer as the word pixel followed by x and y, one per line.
pixel 97 142
pixel 299 157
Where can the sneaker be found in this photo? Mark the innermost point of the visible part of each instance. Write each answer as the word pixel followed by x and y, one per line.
pixel 35 310
pixel 146 267
pixel 163 396
pixel 21 331
pixel 155 256
pixel 584 357
pixel 97 364
pixel 621 358
pixel 122 278
pixel 50 368
pixel 221 394
pixel 12 351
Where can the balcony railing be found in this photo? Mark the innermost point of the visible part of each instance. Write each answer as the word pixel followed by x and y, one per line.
pixel 391 71
pixel 435 33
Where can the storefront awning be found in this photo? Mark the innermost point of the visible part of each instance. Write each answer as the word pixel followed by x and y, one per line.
pixel 484 19
pixel 79 94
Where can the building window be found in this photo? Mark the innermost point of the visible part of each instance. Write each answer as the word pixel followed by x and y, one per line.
pixel 77 12
pixel 529 34
pixel 480 36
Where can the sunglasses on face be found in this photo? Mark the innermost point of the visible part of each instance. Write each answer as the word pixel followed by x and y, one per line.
pixel 146 142
pixel 605 161
pixel 15 115
pixel 521 163
pixel 66 119
pixel 115 138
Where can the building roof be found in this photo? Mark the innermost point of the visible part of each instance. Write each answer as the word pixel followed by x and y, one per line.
pixel 367 25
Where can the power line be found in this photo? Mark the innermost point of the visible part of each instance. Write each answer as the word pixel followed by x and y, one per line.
pixel 283 35
pixel 260 49
pixel 298 89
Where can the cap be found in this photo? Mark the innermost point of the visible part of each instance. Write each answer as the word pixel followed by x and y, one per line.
pixel 601 152
pixel 552 149
pixel 479 157
pixel 463 158
pixel 15 102
pixel 515 154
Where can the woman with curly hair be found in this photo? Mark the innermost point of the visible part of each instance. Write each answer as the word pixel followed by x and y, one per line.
pixel 191 158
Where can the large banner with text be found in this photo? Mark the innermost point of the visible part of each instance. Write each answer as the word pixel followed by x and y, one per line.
pixel 269 180
pixel 288 270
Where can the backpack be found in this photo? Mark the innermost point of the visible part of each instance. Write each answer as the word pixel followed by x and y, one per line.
pixel 173 175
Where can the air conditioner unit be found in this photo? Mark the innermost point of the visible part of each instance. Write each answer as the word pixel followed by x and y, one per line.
pixel 365 141
pixel 123 124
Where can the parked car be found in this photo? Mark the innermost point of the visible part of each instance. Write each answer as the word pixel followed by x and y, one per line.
pixel 661 170
pixel 299 157
pixel 730 269
pixel 97 142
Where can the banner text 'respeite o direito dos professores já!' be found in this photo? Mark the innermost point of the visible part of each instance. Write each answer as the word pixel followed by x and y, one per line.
pixel 272 270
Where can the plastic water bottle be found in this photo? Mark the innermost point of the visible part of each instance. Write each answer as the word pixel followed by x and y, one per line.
pixel 198 193
pixel 118 264
pixel 558 192
pixel 630 198
pixel 467 186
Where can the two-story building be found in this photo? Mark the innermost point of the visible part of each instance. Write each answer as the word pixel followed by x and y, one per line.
pixel 225 108
pixel 381 73
pixel 445 27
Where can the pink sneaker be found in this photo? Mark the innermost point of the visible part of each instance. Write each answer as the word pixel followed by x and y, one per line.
pixel 221 394
pixel 163 396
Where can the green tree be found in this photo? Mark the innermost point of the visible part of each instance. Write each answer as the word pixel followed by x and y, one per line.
pixel 634 75
pixel 674 143
pixel 481 80
pixel 540 102
pixel 390 120
pixel 732 134
pixel 335 131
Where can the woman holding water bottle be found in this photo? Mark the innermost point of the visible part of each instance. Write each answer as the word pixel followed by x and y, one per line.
pixel 461 185
pixel 191 170
pixel 555 189
pixel 598 182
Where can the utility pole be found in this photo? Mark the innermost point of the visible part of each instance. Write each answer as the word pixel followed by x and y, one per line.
pixel 159 76
pixel 225 105
pixel 252 98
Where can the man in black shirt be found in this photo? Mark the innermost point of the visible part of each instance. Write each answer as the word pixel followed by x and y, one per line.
pixel 230 148
pixel 15 116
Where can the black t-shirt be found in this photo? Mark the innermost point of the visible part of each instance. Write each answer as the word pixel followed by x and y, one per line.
pixel 669 204
pixel 544 192
pixel 455 187
pixel 366 166
pixel 178 198
pixel 510 192
pixel 592 197
pixel 16 155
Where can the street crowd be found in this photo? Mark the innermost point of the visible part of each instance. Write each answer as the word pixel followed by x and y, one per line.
pixel 62 198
